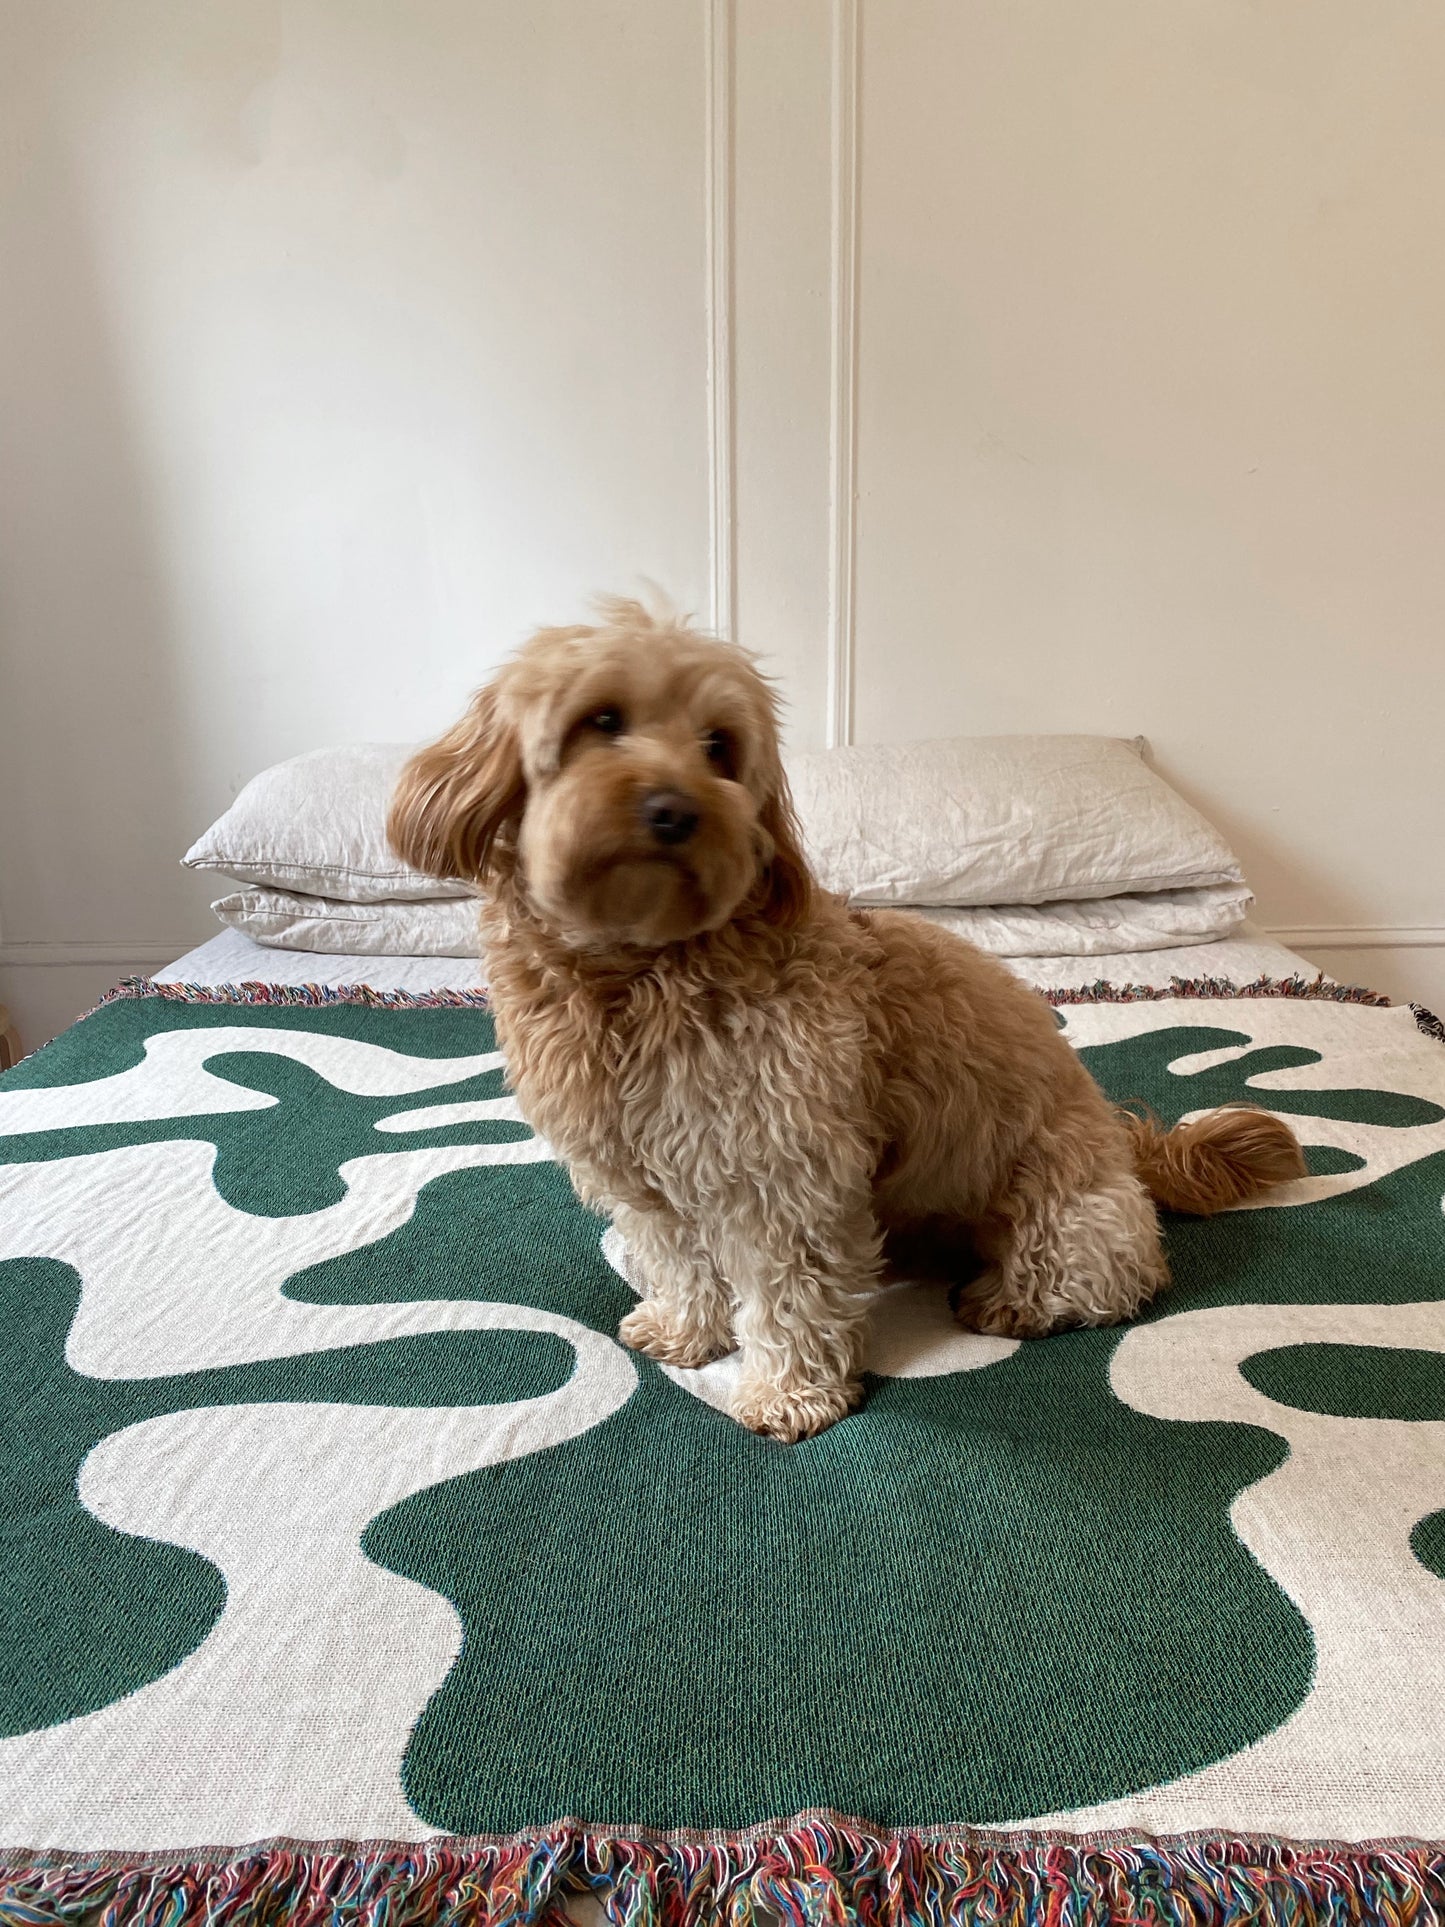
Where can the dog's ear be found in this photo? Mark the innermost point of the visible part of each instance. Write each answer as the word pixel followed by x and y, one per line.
pixel 457 804
pixel 787 881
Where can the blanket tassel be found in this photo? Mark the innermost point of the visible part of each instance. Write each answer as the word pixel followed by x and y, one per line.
pixel 821 1871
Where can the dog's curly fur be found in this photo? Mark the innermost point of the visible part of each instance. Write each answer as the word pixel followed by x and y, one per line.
pixel 759 1083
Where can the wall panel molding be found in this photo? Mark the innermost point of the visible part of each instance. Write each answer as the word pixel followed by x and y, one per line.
pixel 721 410
pixel 843 424
pixel 63 956
pixel 1327 936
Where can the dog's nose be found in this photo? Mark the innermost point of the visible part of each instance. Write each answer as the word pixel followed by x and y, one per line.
pixel 670 815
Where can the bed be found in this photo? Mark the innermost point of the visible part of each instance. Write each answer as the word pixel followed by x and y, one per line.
pixel 355 1573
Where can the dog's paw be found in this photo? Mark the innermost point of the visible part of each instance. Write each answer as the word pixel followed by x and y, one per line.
pixel 982 1307
pixel 790 1415
pixel 648 1328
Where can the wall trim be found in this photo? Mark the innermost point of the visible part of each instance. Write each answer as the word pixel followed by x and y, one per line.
pixel 116 953
pixel 721 412
pixel 1343 936
pixel 843 373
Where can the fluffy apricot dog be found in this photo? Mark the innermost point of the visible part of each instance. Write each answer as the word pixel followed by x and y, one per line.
pixel 757 1082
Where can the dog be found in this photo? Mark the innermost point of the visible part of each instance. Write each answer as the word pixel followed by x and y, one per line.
pixel 757 1082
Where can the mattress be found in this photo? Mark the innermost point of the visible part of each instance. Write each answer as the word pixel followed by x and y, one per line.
pixel 232 958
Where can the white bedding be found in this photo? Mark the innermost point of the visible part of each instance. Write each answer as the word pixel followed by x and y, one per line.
pixel 232 958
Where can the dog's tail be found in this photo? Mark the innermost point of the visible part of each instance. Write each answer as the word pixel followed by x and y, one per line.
pixel 1219 1160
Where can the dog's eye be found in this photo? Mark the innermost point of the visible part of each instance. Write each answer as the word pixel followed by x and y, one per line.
pixel 720 750
pixel 607 722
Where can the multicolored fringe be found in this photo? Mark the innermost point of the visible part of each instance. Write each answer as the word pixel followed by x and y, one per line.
pixel 821 1871
pixel 311 996
pixel 319 995
pixel 1314 989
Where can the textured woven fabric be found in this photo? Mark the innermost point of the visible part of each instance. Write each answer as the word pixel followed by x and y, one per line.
pixel 1000 819
pixel 330 1508
pixel 317 824
pixel 1100 926
pixel 447 926
pixel 971 820
pixel 328 927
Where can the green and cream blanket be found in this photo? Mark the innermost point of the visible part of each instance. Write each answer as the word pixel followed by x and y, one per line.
pixel 332 1512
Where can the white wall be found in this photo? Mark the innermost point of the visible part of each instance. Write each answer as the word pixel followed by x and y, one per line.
pixel 341 341
pixel 1152 417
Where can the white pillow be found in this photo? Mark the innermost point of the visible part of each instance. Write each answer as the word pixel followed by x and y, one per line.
pixel 1013 820
pixel 317 824
pixel 1101 927
pixel 1001 819
pixel 286 920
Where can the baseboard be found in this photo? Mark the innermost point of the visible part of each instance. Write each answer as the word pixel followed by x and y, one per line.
pixel 1327 936
pixel 117 954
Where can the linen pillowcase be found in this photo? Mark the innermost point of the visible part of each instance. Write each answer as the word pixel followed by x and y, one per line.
pixel 1101 926
pixel 1010 820
pixel 287 920
pixel 317 824
pixel 446 927
pixel 1001 820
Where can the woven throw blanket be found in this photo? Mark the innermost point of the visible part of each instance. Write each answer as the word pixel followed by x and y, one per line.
pixel 351 1571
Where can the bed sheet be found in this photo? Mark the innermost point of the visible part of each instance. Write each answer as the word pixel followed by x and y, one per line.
pixel 232 958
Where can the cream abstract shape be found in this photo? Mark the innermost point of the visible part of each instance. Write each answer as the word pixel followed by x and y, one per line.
pixel 293 1715
pixel 171 1079
pixel 1354 1043
pixel 199 1285
pixel 443 1117
pixel 1335 1542
pixel 1356 1760
pixel 913 1335
pixel 174 1280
